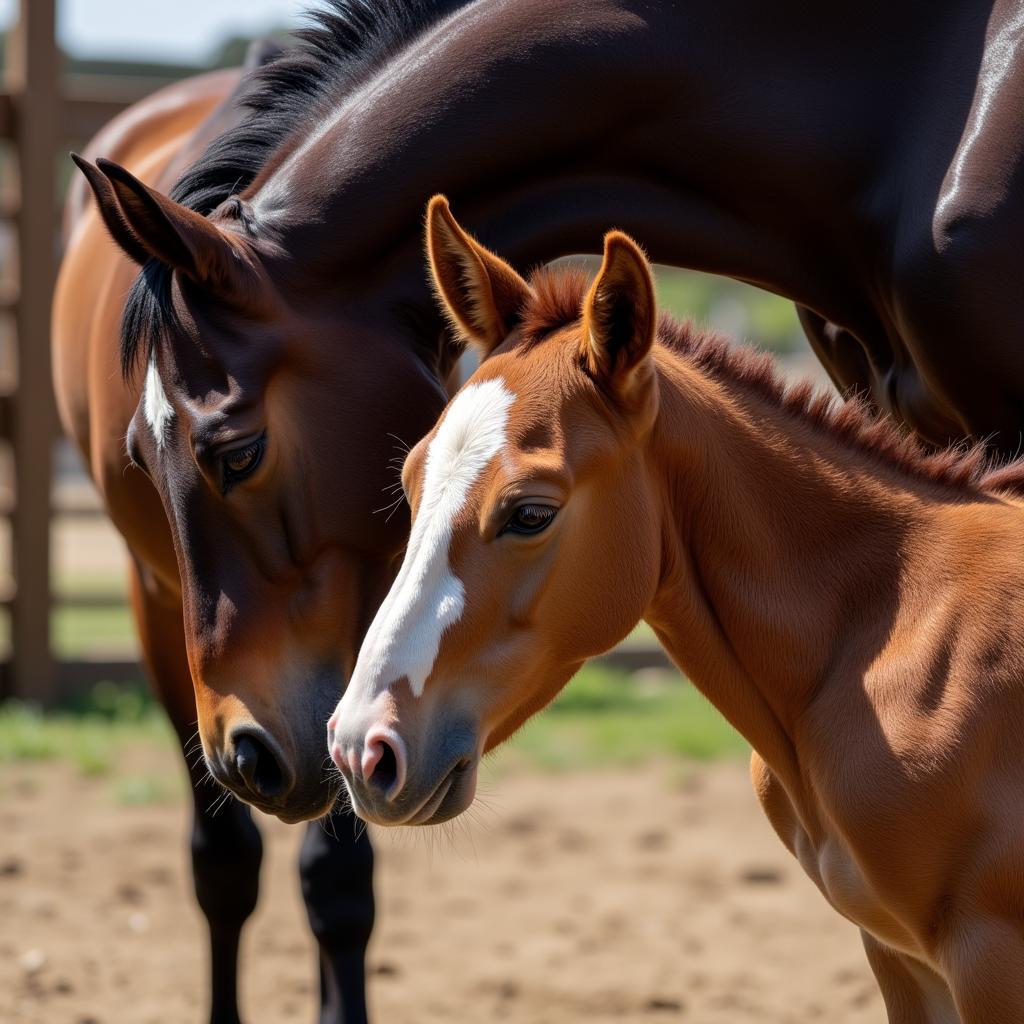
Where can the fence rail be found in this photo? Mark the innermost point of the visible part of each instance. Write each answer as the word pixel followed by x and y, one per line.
pixel 43 113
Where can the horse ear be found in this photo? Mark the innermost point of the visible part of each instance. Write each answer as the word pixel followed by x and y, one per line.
pixel 110 210
pixel 149 225
pixel 619 314
pixel 481 294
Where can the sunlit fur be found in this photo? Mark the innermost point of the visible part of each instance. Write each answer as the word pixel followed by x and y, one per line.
pixel 851 602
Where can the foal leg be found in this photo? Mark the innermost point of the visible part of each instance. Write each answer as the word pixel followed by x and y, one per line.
pixel 986 972
pixel 337 884
pixel 226 846
pixel 913 994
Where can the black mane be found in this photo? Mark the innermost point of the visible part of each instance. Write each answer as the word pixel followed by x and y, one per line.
pixel 343 46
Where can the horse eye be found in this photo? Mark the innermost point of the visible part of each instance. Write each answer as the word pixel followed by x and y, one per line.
pixel 241 463
pixel 530 519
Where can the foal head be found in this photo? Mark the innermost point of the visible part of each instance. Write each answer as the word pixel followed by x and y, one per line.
pixel 535 534
pixel 266 423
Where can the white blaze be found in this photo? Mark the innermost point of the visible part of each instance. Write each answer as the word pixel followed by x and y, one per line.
pixel 427 597
pixel 155 407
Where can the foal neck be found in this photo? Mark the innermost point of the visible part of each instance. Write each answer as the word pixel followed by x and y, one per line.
pixel 786 552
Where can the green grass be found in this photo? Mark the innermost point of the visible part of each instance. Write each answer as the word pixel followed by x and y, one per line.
pixel 605 717
pixel 768 320
pixel 77 631
pixel 760 318
pixel 90 584
pixel 80 631
pixel 134 790
pixel 90 735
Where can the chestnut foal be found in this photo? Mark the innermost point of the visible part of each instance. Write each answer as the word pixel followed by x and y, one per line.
pixel 852 604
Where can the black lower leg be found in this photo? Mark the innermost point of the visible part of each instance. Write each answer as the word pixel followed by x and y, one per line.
pixel 226 855
pixel 337 884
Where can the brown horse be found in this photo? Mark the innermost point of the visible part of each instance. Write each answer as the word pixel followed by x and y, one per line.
pixel 284 326
pixel 278 595
pixel 852 604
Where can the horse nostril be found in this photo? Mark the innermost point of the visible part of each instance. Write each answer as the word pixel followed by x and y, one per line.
pixel 387 768
pixel 384 763
pixel 258 767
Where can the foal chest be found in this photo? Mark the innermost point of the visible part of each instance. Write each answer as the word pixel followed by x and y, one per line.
pixel 833 868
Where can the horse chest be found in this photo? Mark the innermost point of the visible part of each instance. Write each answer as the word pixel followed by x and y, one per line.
pixel 835 871
pixel 832 866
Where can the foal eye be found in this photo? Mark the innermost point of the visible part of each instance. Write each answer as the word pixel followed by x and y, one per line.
pixel 241 463
pixel 529 519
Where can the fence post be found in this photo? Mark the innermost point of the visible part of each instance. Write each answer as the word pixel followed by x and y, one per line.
pixel 33 79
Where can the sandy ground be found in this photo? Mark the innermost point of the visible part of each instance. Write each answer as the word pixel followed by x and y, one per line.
pixel 645 895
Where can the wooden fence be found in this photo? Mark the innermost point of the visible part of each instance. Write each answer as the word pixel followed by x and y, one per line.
pixel 42 114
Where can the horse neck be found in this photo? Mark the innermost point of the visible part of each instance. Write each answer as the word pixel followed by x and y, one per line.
pixel 787 552
pixel 475 105
pixel 517 112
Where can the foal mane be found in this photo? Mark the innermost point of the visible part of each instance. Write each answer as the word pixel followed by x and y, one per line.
pixel 343 46
pixel 557 302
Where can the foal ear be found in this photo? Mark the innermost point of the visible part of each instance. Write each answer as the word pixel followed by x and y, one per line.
pixel 619 313
pixel 148 225
pixel 481 294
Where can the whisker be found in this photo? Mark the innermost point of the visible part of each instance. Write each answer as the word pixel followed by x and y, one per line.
pixel 391 507
pixel 219 804
pixel 394 508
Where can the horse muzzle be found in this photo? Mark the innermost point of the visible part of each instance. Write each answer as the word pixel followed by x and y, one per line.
pixel 392 780
pixel 253 766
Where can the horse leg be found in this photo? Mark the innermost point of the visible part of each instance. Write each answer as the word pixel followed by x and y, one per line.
pixel 226 854
pixel 337 884
pixel 226 845
pixel 838 350
pixel 913 994
pixel 985 966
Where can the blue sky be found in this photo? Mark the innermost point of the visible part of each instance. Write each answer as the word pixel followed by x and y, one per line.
pixel 174 30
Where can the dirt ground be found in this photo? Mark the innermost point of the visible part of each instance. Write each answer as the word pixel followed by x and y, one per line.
pixel 653 894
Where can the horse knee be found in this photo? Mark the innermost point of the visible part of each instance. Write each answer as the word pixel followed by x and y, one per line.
pixel 337 885
pixel 226 854
pixel 985 964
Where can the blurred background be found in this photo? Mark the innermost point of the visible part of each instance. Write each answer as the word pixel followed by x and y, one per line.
pixel 75 716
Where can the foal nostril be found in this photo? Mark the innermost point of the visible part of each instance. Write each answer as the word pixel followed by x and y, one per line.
pixel 384 763
pixel 259 767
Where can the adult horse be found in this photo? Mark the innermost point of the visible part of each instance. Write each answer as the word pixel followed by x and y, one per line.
pixel 302 616
pixel 284 327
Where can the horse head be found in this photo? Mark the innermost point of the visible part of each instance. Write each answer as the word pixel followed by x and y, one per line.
pixel 265 425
